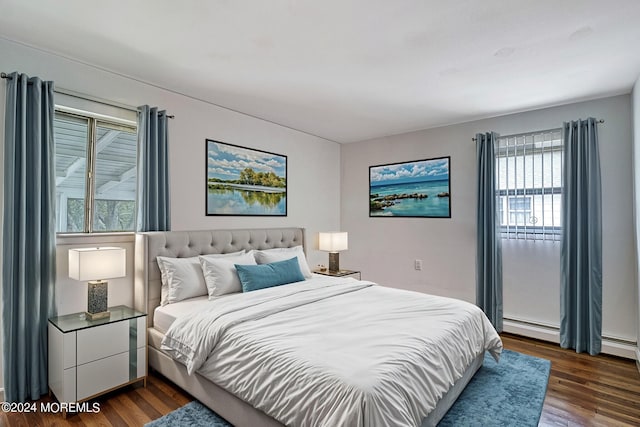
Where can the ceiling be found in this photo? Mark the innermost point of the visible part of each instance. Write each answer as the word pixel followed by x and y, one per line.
pixel 350 70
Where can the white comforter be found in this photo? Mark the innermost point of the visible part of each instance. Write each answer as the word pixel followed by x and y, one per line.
pixel 329 352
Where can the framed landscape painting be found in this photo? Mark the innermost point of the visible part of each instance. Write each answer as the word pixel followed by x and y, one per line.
pixel 419 188
pixel 245 181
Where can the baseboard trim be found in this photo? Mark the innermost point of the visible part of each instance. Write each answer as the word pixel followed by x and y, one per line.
pixel 530 330
pixel 611 346
pixel 638 358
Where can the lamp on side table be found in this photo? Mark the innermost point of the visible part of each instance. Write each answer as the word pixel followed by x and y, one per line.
pixel 96 265
pixel 333 242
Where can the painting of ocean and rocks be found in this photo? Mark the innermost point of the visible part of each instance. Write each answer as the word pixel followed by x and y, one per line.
pixel 245 181
pixel 419 188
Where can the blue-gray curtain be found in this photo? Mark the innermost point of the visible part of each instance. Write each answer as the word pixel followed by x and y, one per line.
pixel 489 246
pixel 29 236
pixel 581 252
pixel 153 170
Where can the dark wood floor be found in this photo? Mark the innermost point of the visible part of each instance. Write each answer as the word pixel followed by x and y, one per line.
pixel 583 391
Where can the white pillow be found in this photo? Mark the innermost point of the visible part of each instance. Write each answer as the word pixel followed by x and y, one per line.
pixel 182 278
pixel 220 274
pixel 281 254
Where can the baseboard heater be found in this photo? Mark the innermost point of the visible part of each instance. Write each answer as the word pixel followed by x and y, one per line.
pixel 545 332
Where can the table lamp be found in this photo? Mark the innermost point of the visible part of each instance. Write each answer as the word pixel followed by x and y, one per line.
pixel 333 242
pixel 96 265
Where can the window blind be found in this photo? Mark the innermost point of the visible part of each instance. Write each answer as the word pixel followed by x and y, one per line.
pixel 529 169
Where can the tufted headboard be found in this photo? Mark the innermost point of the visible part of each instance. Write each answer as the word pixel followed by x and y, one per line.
pixel 184 244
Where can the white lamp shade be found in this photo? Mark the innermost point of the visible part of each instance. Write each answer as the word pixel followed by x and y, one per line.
pixel 97 263
pixel 333 242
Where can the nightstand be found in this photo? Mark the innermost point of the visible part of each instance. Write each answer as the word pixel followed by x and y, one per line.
pixel 91 357
pixel 340 273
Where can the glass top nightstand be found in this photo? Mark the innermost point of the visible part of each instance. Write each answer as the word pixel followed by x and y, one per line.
pixel 340 273
pixel 77 321
pixel 88 358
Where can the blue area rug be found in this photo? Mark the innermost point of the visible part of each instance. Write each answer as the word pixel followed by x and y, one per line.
pixel 193 414
pixel 509 393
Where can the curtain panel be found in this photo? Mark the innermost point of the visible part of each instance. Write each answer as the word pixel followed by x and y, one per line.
pixel 153 171
pixel 28 240
pixel 581 251
pixel 489 245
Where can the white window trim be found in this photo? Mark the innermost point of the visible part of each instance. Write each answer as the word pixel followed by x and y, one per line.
pixel 91 159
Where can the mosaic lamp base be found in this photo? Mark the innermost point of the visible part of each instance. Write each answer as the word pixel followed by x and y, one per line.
pixel 97 300
pixel 334 262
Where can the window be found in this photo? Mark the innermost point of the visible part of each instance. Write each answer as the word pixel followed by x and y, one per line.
pixel 519 210
pixel 529 185
pixel 95 173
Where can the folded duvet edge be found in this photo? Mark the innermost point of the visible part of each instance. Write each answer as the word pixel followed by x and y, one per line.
pixel 179 351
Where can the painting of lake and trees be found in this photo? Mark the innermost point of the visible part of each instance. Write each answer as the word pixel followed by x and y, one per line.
pixel 418 188
pixel 244 181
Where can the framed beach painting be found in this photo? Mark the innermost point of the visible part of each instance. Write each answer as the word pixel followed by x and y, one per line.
pixel 245 181
pixel 420 188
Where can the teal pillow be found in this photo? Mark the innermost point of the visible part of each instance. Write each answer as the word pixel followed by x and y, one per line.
pixel 254 277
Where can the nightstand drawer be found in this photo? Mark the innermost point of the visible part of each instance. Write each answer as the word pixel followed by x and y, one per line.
pixel 91 357
pixel 102 341
pixel 103 374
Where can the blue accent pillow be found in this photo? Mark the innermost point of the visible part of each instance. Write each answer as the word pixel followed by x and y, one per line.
pixel 254 277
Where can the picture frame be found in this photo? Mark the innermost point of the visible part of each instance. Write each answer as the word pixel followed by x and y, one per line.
pixel 244 181
pixel 412 189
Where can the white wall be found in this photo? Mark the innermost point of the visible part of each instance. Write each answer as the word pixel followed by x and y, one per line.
pixel 313 163
pixel 385 248
pixel 635 101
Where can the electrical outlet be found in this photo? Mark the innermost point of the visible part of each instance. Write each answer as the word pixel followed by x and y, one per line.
pixel 417 264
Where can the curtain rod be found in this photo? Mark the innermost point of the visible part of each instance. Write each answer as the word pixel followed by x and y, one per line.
pixel 540 131
pixel 85 97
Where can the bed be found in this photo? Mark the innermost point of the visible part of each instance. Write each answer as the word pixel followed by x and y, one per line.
pixel 265 395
